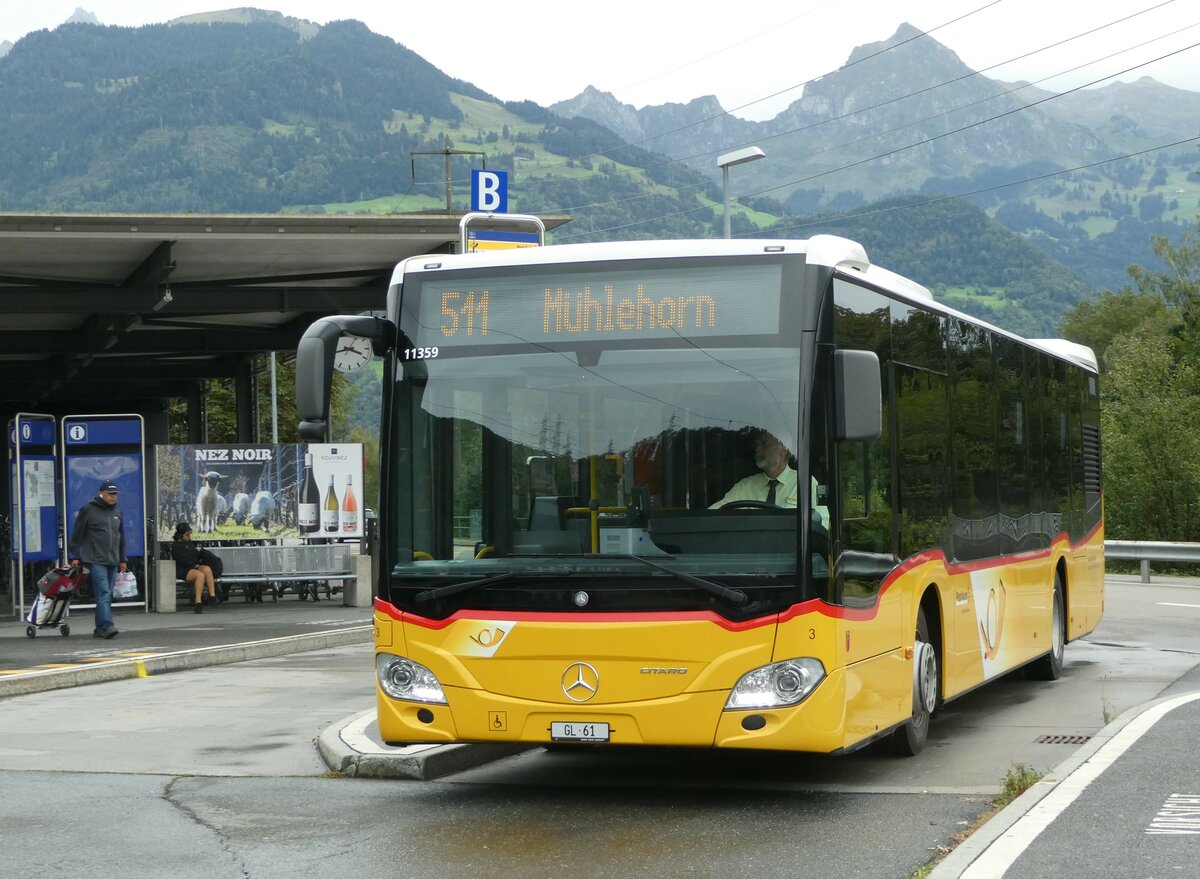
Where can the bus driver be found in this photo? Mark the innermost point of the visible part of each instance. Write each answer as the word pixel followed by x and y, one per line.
pixel 774 484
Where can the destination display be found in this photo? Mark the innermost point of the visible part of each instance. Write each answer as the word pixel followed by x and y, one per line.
pixel 597 305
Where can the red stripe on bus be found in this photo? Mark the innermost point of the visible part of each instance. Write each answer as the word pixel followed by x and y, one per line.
pixel 812 605
pixel 706 616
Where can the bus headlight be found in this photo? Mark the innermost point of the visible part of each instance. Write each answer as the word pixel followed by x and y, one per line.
pixel 777 685
pixel 404 679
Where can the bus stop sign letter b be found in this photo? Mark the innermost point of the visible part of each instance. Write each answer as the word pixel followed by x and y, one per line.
pixel 489 191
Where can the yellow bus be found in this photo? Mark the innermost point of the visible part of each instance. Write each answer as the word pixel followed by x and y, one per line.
pixel 734 494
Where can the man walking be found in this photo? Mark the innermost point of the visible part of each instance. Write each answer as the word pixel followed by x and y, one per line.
pixel 98 541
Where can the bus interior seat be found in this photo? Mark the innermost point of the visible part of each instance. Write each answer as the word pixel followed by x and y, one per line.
pixel 550 513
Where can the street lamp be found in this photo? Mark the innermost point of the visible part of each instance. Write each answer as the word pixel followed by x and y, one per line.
pixel 727 161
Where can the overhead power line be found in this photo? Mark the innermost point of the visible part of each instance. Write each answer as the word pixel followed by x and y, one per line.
pixel 907 147
pixel 885 49
pixel 684 159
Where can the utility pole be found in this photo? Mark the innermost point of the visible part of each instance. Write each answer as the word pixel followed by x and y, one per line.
pixel 447 150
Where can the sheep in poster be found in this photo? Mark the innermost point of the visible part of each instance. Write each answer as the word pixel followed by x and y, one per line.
pixel 262 510
pixel 206 502
pixel 241 508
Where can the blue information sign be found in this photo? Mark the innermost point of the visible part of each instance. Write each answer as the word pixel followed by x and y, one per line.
pixel 124 431
pixel 39 432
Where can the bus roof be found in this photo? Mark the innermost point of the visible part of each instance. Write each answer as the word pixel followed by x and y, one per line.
pixel 842 254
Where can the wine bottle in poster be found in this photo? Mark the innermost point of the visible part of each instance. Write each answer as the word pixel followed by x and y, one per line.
pixel 349 508
pixel 330 510
pixel 308 517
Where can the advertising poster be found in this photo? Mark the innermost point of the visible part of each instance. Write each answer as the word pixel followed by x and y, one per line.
pixel 260 492
pixel 85 473
pixel 332 480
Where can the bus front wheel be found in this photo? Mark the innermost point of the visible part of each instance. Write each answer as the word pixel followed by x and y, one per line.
pixel 909 740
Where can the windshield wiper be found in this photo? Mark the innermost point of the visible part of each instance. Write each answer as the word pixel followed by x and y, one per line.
pixel 737 596
pixel 461 586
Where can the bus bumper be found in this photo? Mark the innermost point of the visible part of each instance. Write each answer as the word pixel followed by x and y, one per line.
pixel 687 720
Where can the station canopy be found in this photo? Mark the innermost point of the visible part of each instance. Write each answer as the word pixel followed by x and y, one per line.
pixel 126 308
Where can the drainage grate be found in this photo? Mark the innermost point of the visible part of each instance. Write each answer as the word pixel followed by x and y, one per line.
pixel 1063 740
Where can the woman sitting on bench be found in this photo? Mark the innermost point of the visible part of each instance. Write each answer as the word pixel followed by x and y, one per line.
pixel 189 568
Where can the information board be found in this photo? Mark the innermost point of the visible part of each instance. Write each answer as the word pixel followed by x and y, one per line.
pixel 32 488
pixel 99 449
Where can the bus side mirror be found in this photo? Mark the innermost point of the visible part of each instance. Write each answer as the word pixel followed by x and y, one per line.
pixel 314 366
pixel 858 396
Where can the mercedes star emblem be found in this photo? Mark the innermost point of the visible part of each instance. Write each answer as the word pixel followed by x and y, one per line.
pixel 580 682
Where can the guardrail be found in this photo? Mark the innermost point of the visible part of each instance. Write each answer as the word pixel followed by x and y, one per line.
pixel 1147 551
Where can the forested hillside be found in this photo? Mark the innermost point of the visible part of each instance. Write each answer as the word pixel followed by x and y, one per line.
pixel 210 117
pixel 267 115
pixel 1014 284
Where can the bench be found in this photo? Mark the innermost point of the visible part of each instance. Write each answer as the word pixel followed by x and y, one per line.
pixel 263 569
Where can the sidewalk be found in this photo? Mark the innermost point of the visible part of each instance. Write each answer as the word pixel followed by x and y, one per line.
pixel 153 643
pixel 1125 804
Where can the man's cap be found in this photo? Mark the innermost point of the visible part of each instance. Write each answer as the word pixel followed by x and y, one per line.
pixel 109 486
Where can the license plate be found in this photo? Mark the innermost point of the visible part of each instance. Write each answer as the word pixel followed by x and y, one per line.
pixel 575 731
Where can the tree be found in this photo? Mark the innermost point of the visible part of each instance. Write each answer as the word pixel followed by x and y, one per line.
pixel 222 408
pixel 1179 284
pixel 1150 398
pixel 1097 323
pixel 1151 407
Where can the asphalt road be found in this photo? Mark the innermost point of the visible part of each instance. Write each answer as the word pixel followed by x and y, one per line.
pixel 213 772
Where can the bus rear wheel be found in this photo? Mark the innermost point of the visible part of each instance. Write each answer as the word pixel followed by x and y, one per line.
pixel 909 740
pixel 1050 666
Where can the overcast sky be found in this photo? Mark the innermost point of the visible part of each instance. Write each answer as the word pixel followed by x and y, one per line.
pixel 649 52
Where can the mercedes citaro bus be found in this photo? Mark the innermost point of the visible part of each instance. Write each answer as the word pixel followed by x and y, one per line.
pixel 558 561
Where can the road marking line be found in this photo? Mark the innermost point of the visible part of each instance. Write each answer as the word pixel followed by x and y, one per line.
pixel 1174 604
pixel 1001 854
pixel 1180 814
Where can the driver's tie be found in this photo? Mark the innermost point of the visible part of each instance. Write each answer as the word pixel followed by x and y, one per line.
pixel 772 484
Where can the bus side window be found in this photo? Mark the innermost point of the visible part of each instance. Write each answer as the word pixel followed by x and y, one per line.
pixel 862 321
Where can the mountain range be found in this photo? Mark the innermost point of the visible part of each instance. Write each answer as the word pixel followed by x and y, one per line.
pixel 912 99
pixel 904 147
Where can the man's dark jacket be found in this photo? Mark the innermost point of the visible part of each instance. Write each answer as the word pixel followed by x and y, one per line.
pixel 99 534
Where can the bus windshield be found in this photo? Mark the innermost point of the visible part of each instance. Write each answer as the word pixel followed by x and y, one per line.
pixel 601 460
